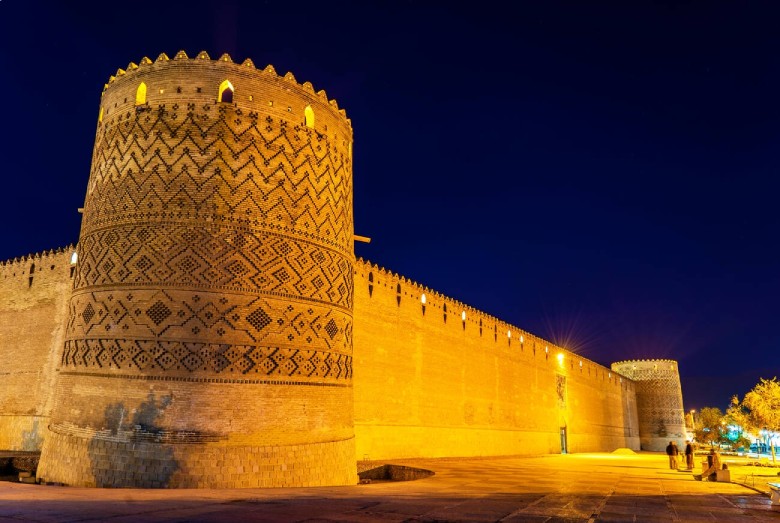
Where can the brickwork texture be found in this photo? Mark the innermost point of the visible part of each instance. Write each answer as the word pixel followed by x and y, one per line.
pixel 211 314
pixel 659 401
pixel 443 379
pixel 33 308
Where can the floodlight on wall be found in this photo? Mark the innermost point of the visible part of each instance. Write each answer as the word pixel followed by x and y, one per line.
pixel 463 319
pixel 74 258
pixel 560 359
pixel 423 300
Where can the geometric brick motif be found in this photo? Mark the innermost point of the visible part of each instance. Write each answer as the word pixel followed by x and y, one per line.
pixel 208 258
pixel 225 166
pixel 194 359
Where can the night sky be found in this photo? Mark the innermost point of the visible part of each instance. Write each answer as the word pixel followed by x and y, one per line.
pixel 604 176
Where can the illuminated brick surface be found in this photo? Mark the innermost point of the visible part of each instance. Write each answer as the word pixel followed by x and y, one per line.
pixel 659 401
pixel 210 322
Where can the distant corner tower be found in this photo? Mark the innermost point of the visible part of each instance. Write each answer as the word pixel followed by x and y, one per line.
pixel 209 339
pixel 659 401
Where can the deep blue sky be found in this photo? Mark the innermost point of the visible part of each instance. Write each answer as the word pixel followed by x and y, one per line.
pixel 604 175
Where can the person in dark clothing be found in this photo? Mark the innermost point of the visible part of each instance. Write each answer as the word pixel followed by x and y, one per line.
pixel 689 455
pixel 672 451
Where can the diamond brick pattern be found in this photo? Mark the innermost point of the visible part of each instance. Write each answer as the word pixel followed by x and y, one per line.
pixel 193 359
pixel 209 257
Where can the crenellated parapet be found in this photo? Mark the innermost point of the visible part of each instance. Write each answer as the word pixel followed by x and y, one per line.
pixel 303 91
pixel 24 274
pixel 659 400
pixel 21 262
pixel 436 306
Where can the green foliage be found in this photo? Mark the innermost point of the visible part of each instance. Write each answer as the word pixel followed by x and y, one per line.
pixel 711 426
pixel 763 403
pixel 740 440
pixel 759 409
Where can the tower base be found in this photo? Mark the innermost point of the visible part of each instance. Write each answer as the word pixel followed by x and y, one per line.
pixel 107 462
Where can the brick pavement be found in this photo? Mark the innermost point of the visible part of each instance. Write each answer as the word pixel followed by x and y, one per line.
pixel 581 488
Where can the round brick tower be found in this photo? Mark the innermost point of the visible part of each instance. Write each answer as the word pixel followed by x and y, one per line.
pixel 659 401
pixel 209 340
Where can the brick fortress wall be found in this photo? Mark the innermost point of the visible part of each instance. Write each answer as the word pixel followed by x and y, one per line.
pixel 209 334
pixel 429 383
pixel 659 401
pixel 34 293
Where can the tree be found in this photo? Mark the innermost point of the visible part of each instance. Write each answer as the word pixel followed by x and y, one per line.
pixel 738 416
pixel 763 404
pixel 711 427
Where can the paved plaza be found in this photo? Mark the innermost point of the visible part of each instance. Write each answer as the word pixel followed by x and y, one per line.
pixel 569 488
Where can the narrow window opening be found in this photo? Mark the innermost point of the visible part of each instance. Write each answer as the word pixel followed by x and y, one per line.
pixel 72 271
pixel 308 113
pixel 225 92
pixel 480 328
pixel 32 268
pixel 445 313
pixel 178 90
pixel 398 294
pixel 370 284
pixel 140 94
pixel 30 284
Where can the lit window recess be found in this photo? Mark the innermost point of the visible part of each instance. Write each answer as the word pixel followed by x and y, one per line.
pixel 140 94
pixel 74 258
pixel 423 299
pixel 308 114
pixel 463 316
pixel 225 93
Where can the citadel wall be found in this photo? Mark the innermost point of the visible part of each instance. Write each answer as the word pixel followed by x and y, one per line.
pixel 219 332
pixel 429 384
pixel 34 292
